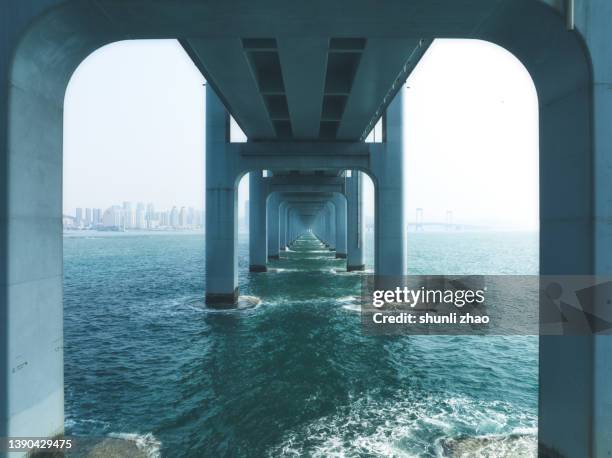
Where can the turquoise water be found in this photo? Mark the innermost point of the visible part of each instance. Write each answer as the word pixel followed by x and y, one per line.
pixel 294 376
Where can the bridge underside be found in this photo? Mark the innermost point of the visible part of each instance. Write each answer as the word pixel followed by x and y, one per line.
pixel 306 81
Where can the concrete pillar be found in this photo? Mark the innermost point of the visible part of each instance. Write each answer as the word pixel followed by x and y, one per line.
pixel 355 222
pixel 575 415
pixel 321 225
pixel 258 241
pixel 597 21
pixel 325 227
pixel 390 230
pixel 340 222
pixel 221 209
pixel 283 225
pixel 290 225
pixel 273 226
pixel 331 225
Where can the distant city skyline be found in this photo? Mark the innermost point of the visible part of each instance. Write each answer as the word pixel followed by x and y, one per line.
pixel 140 216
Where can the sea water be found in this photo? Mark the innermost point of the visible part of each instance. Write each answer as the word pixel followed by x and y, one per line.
pixel 293 376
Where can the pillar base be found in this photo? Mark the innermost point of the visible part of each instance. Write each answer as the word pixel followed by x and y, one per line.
pixel 258 269
pixel 340 255
pixel 222 300
pixel 355 268
pixel 274 257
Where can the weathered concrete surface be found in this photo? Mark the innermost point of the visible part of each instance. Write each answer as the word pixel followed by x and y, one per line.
pixel 258 222
pixel 355 222
pixel 221 210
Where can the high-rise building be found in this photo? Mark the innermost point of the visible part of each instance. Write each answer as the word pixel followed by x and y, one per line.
pixel 97 217
pixel 198 222
pixel 78 220
pixel 174 217
pixel 150 216
pixel 183 217
pixel 87 217
pixel 128 215
pixel 164 218
pixel 140 218
pixel 113 217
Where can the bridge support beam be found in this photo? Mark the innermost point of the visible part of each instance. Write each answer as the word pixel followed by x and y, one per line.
pixel 273 226
pixel 355 222
pixel 340 222
pixel 388 165
pixel 575 400
pixel 282 228
pixel 258 239
pixel 330 227
pixel 221 210
pixel 290 225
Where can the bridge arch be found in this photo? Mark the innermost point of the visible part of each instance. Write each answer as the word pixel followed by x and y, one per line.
pixel 47 41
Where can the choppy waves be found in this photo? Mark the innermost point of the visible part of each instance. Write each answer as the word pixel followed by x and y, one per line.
pixel 292 376
pixel 413 426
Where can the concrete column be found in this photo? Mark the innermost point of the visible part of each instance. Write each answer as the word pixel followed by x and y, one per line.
pixel 355 222
pixel 221 209
pixel 576 371
pixel 599 39
pixel 321 224
pixel 390 230
pixel 273 226
pixel 325 227
pixel 283 225
pixel 290 225
pixel 258 241
pixel 331 218
pixel 340 205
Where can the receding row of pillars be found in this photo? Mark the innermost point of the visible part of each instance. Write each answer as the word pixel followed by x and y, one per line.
pixel 278 219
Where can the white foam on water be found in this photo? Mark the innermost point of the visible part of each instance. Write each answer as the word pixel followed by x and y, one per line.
pixel 407 426
pixel 147 443
pixel 351 303
pixel 347 299
pixel 355 272
pixel 352 308
pixel 245 303
pixel 70 423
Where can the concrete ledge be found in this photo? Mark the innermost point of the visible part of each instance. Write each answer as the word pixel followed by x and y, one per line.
pixel 340 255
pixel 222 300
pixel 258 269
pixel 355 268
pixel 274 257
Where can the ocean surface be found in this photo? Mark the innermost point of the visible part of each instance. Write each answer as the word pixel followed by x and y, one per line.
pixel 294 376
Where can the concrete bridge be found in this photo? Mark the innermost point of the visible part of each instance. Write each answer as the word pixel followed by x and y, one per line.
pixel 306 81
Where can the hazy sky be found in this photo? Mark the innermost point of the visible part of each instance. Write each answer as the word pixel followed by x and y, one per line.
pixel 134 127
pixel 134 130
